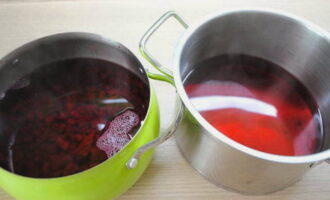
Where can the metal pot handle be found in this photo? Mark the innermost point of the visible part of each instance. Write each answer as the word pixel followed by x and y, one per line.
pixel 167 77
pixel 142 46
pixel 133 161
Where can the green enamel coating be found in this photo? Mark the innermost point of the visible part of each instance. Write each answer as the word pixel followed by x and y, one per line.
pixel 160 77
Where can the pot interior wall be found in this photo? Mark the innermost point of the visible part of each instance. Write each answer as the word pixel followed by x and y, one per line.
pixel 66 46
pixel 104 77
pixel 299 48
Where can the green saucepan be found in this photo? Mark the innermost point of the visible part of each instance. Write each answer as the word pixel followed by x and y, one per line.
pixel 115 175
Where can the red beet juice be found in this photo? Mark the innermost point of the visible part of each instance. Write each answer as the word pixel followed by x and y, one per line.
pixel 256 103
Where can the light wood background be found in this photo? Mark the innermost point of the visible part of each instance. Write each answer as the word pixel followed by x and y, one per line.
pixel 169 176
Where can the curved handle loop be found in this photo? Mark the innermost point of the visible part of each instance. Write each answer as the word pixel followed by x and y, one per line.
pixel 143 42
pixel 133 161
pixel 165 76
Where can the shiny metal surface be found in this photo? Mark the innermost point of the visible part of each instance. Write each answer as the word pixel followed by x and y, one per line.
pixel 143 43
pixel 300 47
pixel 64 46
pixel 233 169
pixel 133 162
pixel 167 77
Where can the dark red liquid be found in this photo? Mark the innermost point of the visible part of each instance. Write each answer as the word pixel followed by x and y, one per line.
pixel 256 103
pixel 51 123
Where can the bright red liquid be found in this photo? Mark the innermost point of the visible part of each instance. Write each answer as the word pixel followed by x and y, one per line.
pixel 257 104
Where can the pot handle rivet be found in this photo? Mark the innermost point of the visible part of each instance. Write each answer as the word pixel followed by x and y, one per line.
pixel 132 163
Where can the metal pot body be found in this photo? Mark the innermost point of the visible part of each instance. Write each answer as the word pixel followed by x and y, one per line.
pixel 110 178
pixel 296 45
pixel 231 168
pixel 292 43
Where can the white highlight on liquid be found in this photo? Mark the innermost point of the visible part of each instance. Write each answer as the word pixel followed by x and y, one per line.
pixel 244 103
pixel 110 101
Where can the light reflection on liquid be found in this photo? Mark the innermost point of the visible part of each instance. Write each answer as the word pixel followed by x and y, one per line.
pixel 214 102
pixel 111 101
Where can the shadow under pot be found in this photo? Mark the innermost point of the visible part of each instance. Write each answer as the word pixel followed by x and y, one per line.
pixel 74 108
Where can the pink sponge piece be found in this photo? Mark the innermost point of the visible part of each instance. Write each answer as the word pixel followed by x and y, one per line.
pixel 116 135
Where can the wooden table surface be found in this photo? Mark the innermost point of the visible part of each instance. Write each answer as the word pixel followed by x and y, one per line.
pixel 168 176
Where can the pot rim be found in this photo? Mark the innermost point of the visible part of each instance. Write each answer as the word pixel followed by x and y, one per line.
pixel 213 132
pixel 84 35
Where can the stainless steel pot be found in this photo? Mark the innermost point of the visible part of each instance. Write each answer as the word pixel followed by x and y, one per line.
pixel 300 47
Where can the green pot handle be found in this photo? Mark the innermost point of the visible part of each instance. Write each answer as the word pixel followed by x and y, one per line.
pixel 160 77
pixel 167 76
